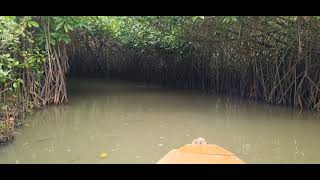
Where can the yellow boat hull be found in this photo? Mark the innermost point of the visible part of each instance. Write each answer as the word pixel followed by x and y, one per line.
pixel 200 154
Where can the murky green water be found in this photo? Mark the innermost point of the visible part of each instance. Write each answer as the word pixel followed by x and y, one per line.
pixel 134 123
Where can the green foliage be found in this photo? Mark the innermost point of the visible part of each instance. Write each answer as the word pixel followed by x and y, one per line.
pixel 166 32
pixel 229 19
pixel 15 32
pixel 7 66
pixel 175 33
pixel 24 39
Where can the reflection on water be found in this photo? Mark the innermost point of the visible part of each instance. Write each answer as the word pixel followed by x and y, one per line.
pixel 137 123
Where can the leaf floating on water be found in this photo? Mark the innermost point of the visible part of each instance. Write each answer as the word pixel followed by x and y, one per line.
pixel 103 155
pixel 16 133
pixel 18 124
pixel 73 160
pixel 26 143
pixel 44 139
pixel 27 125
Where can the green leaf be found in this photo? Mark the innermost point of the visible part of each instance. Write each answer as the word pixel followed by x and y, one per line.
pixel 66 40
pixel 65 28
pixel 54 35
pixel 33 23
pixel 59 25
pixel 4 73
pixel 69 26
pixel 15 85
pixel 59 18
pixel 53 42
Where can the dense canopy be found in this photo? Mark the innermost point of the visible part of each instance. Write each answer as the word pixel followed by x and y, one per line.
pixel 274 58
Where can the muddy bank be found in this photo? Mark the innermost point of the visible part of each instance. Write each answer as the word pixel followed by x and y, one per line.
pixel 11 117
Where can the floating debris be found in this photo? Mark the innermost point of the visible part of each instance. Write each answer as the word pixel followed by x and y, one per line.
pixel 26 143
pixel 27 125
pixel 49 149
pixel 161 137
pixel 16 133
pixel 160 144
pixel 44 139
pixel 69 150
pixel 73 160
pixel 18 124
pixel 103 155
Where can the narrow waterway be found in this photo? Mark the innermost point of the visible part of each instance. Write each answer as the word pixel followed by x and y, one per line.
pixel 138 123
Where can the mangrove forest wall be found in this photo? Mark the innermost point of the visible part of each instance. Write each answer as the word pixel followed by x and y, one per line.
pixel 271 59
pixel 265 58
